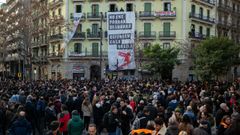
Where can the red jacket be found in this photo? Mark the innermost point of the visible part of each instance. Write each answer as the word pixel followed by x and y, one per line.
pixel 64 118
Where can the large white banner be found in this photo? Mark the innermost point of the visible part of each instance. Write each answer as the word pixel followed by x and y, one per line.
pixel 121 34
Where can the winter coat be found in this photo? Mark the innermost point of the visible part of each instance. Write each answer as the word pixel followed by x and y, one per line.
pixel 20 127
pixel 172 130
pixel 64 117
pixel 75 125
pixel 41 108
pixel 87 110
pixel 111 122
pixel 200 131
pixel 219 115
pixel 50 115
pixel 98 114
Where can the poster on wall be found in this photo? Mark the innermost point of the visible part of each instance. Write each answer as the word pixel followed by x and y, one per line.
pixel 121 34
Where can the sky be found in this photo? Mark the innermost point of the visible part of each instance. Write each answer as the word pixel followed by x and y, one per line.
pixel 2 1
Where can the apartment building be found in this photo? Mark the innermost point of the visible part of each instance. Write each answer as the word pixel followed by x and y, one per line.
pixel 40 38
pixel 228 25
pixel 164 22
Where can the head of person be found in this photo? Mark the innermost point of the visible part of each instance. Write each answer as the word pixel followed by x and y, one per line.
pixel 122 103
pixel 189 108
pixel 226 119
pixel 183 133
pixel 92 129
pixel 146 111
pixel 158 124
pixel 114 109
pixel 54 126
pixel 64 108
pixel 21 114
pixel 150 125
pixel 224 107
pixel 186 119
pixel 75 112
pixel 203 124
pixel 177 112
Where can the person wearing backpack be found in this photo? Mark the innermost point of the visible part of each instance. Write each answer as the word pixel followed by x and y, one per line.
pixel 141 121
pixel 63 118
pixel 111 121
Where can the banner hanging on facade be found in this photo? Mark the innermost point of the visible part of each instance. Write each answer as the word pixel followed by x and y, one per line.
pixel 121 34
pixel 76 20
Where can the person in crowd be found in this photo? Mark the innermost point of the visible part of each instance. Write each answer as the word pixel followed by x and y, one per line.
pixel 111 121
pixel 172 128
pixel 225 124
pixel 189 112
pixel 202 129
pixel 126 115
pixel 87 112
pixel 92 129
pixel 234 127
pixel 21 126
pixel 54 128
pixel 76 124
pixel 50 114
pixel 158 126
pixel 186 125
pixel 223 110
pixel 63 119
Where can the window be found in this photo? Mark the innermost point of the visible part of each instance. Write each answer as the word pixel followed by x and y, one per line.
pixel 78 9
pixel 78 48
pixel 129 7
pixel 95 49
pixel 166 28
pixel 95 9
pixel 200 30
pixel 59 11
pixel 53 48
pixel 193 9
pixel 113 7
pixel 146 45
pixel 208 32
pixel 95 28
pixel 147 29
pixel 59 30
pixel 59 47
pixel 166 45
pixel 208 14
pixel 147 7
pixel 201 12
pixel 167 6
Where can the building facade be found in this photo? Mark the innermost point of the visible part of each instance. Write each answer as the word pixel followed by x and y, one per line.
pixel 165 22
pixel 228 25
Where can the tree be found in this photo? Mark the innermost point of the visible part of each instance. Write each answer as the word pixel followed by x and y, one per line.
pixel 215 56
pixel 161 61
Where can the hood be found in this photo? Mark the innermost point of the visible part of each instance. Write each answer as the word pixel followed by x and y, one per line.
pixel 75 118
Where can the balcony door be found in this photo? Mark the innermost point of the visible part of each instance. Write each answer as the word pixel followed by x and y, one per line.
pixel 201 12
pixel 77 48
pixel 95 10
pixel 147 9
pixel 166 29
pixel 147 29
pixel 95 49
pixel 95 29
pixel 193 9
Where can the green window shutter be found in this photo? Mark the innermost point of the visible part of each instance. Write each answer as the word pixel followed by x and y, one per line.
pixel 95 49
pixel 95 9
pixel 166 28
pixel 78 48
pixel 94 28
pixel 147 7
pixel 208 32
pixel 193 10
pixel 147 29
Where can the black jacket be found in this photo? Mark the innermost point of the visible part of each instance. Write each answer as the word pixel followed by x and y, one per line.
pixel 111 122
pixel 21 127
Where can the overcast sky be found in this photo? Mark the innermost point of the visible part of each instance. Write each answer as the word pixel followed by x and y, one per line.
pixel 2 1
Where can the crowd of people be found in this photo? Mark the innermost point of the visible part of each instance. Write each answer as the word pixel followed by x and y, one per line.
pixel 118 107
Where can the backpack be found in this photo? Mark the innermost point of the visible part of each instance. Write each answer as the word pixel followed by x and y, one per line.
pixel 136 123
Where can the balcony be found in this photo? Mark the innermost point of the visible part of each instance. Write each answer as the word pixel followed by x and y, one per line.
pixel 167 35
pixel 209 3
pixel 146 15
pixel 224 8
pixel 196 36
pixel 224 24
pixel 166 14
pixel 55 55
pixel 57 20
pixel 86 55
pixel 79 36
pixel 55 4
pixel 83 17
pixel 202 19
pixel 151 35
pixel 94 16
pixel 55 38
pixel 94 36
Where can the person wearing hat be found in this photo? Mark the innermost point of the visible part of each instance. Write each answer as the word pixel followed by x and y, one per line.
pixel 222 111
pixel 176 116
pixel 76 124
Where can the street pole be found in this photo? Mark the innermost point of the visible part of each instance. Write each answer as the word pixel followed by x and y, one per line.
pixel 101 44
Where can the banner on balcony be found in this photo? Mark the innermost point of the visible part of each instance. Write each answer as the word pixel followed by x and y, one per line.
pixel 121 27
pixel 76 20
